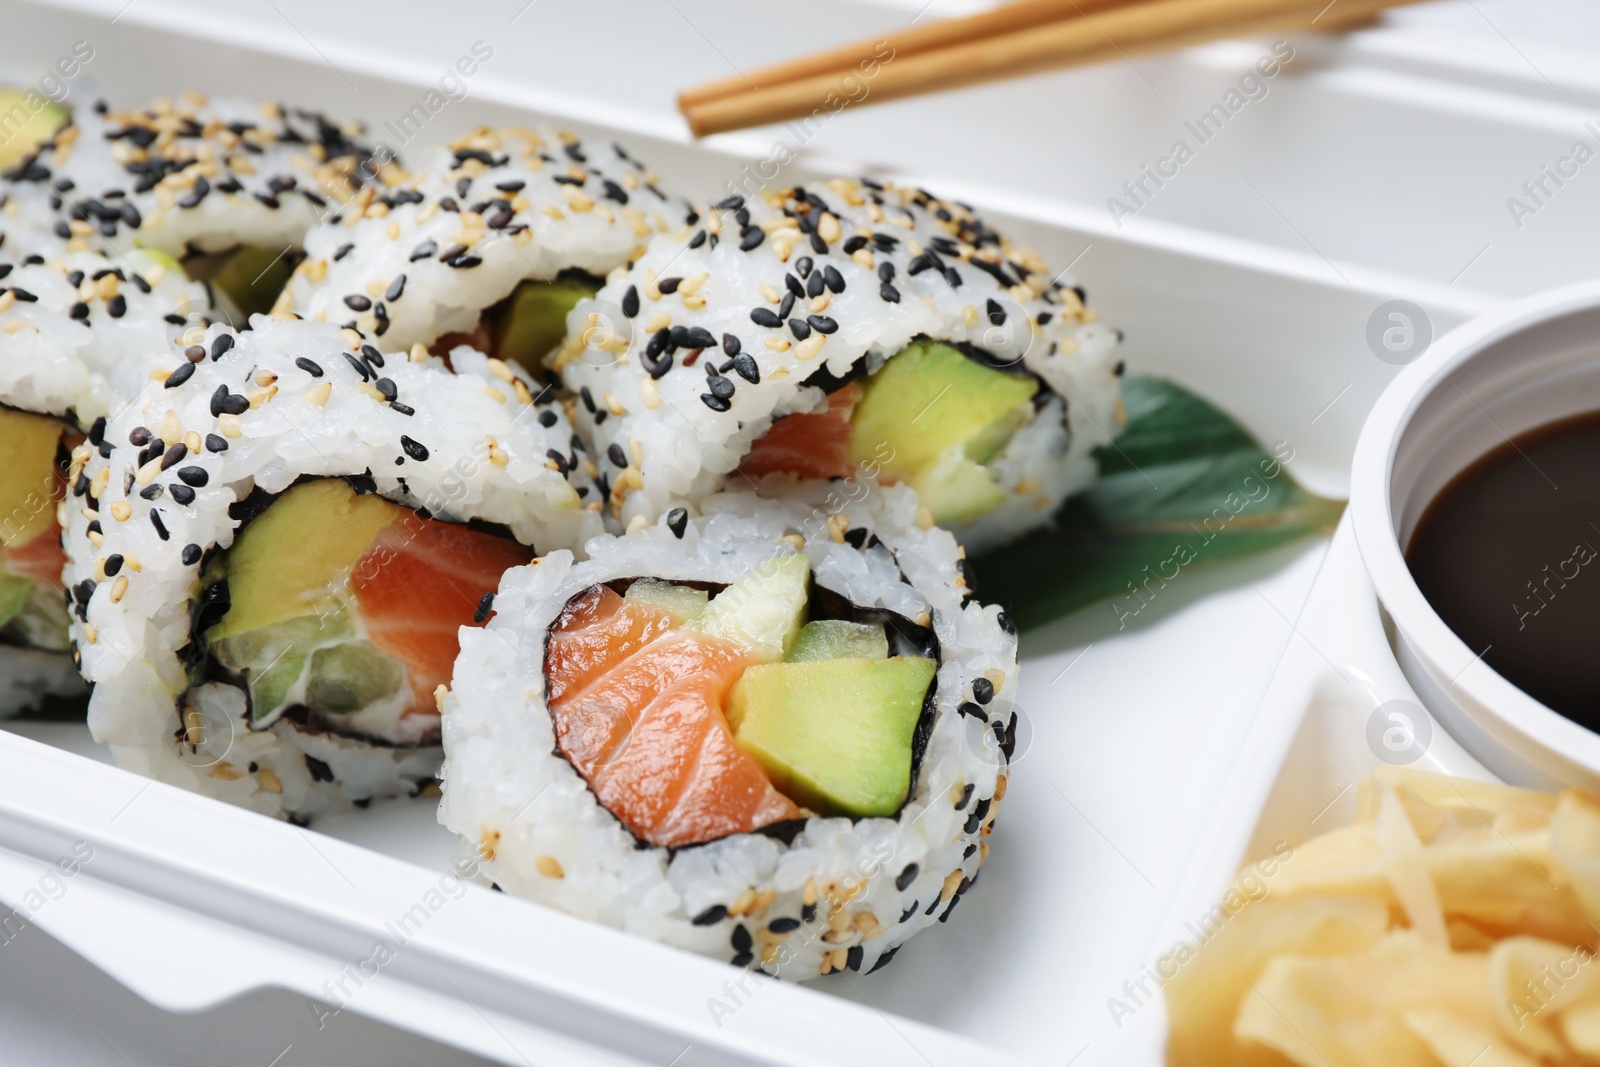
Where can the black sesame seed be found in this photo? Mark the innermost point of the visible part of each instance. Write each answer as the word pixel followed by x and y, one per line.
pixel 745 366
pixel 630 302
pixel 853 957
pixel 678 521
pixel 799 328
pixel 616 455
pixel 153 492
pixel 25 297
pixel 852 245
pixel 414 449
pixel 310 366
pixel 396 287
pixel 818 245
pixel 117 306
pixel 698 239
pixel 80 310
pixel 765 317
pixel 195 476
pixel 997 314
pixel 320 771
pixel 751 238
pixel 424 250
pixel 802 266
pixel 822 324
pixel 743 959
pixel 966 795
pixel 740 939
pixel 372 356
pixel 714 402
pixel 463 262
pixel 786 305
pixel 1121 368
pixel 342 251
pixel 711 916
pixel 216 443
pixel 982 690
pixel 731 203
pixel 808 912
pixel 97 430
pixel 795 286
pixel 967 707
pixel 888 293
pixel 387 388
pixel 730 344
pixel 359 367
pixel 357 302
pixel 906 877
pixel 192 554
pixel 404 409
pixel 720 387
pixel 783 925
pixel 485 605
pixel 834 279
pixel 139 437
pixel 1006 624
pixel 221 345
pixel 886 271
pixel 184 372
pixel 815 285
pixel 587 397
pixel 669 285
pixel 113 564
pixel 182 494
pixel 174 455
pixel 161 529
pixel 194 353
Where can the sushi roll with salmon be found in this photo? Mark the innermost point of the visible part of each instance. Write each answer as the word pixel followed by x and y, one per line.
pixel 72 330
pixel 821 331
pixel 491 244
pixel 776 732
pixel 275 543
pixel 228 186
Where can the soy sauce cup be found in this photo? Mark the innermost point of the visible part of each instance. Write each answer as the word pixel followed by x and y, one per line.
pixel 1498 376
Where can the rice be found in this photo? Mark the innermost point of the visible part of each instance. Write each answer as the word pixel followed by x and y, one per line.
pixel 842 893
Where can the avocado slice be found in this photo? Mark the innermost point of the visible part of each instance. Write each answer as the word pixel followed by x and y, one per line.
pixel 23 128
pixel 955 489
pixel 28 477
pixel 761 611
pixel 928 398
pixel 533 319
pixel 294 559
pixel 834 735
pixel 838 639
pixel 682 602
pixel 246 280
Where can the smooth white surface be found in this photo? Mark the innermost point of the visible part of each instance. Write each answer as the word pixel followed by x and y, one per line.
pixel 1499 376
pixel 1380 174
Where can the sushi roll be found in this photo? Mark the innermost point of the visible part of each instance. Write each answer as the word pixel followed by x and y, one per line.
pixel 72 330
pixel 228 186
pixel 492 244
pixel 272 549
pixel 776 732
pixel 824 330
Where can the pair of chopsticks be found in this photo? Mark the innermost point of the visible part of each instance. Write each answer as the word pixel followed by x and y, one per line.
pixel 1015 39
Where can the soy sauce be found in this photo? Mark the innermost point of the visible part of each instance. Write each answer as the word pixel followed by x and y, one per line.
pixel 1508 554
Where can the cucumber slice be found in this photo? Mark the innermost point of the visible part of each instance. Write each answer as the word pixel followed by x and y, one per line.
pixel 761 611
pixel 838 639
pixel 682 602
pixel 15 592
pixel 347 678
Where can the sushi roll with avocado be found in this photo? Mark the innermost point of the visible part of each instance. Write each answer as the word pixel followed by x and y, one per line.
pixel 275 544
pixel 492 244
pixel 829 330
pixel 72 330
pixel 227 186
pixel 776 732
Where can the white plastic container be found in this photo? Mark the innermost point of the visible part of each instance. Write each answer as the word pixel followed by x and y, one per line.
pixel 1153 750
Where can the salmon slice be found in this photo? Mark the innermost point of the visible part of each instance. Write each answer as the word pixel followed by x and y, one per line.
pixel 41 559
pixel 812 444
pixel 419 582
pixel 638 705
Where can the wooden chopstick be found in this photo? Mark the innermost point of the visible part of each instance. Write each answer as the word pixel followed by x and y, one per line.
pixel 1117 31
pixel 1007 18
